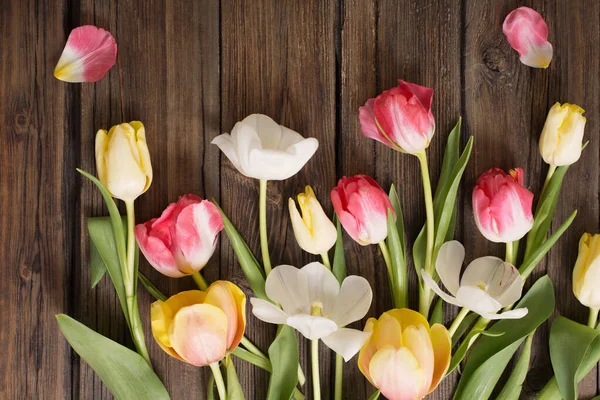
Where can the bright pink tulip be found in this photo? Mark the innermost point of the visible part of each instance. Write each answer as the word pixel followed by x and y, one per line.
pixel 362 206
pixel 527 33
pixel 502 205
pixel 183 239
pixel 400 118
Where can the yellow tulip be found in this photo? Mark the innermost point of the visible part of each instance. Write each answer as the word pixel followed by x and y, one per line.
pixel 314 231
pixel 405 358
pixel 199 327
pixel 586 275
pixel 562 136
pixel 123 160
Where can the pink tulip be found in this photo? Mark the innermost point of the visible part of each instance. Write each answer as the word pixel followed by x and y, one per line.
pixel 183 239
pixel 502 205
pixel 527 33
pixel 400 118
pixel 362 206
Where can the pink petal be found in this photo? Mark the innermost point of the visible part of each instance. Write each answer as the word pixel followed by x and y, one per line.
pixel 424 94
pixel 89 53
pixel 527 33
pixel 368 125
pixel 156 252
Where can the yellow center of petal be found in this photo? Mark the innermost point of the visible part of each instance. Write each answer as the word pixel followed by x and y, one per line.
pixel 316 309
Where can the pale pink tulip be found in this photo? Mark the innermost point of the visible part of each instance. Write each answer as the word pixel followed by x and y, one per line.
pixel 362 206
pixel 400 118
pixel 502 205
pixel 527 33
pixel 183 239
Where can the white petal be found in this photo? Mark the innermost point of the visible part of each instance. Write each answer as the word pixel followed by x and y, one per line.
pixel 449 263
pixel 477 300
pixel 287 286
pixel 289 138
pixel 277 165
pixel 268 312
pixel 322 285
pixel 312 327
pixel 537 56
pixel 246 141
pixel 268 130
pixel 353 301
pixel 346 342
pixel 434 286
pixel 501 280
pixel 512 314
pixel 225 143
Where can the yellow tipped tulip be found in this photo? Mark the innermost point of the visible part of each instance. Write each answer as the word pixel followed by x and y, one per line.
pixel 199 327
pixel 586 275
pixel 123 160
pixel 405 358
pixel 314 231
pixel 562 136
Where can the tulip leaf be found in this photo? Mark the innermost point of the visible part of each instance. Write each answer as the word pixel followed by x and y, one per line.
pixel 149 286
pixel 570 342
pixel 123 371
pixel 463 327
pixel 461 352
pixel 512 387
pixel 375 395
pixel 247 261
pixel 252 358
pixel 437 315
pixel 210 388
pixel 234 389
pixel 490 355
pixel 399 219
pixel 97 267
pixel 339 259
pixel 283 354
pixel 399 275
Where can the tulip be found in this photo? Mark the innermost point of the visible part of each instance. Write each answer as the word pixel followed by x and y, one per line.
pixel 562 136
pixel 199 327
pixel 123 160
pixel 405 358
pixel 400 118
pixel 586 275
pixel 527 33
pixel 314 231
pixel 313 303
pixel 183 239
pixel 89 53
pixel 502 205
pixel 261 149
pixel 487 285
pixel 361 206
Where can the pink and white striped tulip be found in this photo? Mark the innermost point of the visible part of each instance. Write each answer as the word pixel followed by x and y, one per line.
pixel 89 53
pixel 400 118
pixel 502 205
pixel 527 33
pixel 183 239
pixel 362 206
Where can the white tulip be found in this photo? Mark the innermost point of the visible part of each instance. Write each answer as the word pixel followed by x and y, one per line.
pixel 260 148
pixel 488 284
pixel 314 304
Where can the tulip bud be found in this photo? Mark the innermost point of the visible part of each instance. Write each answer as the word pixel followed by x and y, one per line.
pixel 502 205
pixel 562 136
pixel 400 118
pixel 586 275
pixel 405 358
pixel 123 160
pixel 362 206
pixel 527 33
pixel 183 239
pixel 314 231
pixel 198 327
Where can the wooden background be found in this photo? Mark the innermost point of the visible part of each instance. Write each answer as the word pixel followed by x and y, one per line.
pixel 189 70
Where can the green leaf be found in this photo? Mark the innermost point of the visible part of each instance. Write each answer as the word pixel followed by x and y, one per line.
pixel 210 388
pixel 98 269
pixel 153 290
pixel 570 342
pixel 248 263
pixel 490 355
pixel 283 354
pixel 512 388
pixel 461 352
pixel 399 275
pixel 399 219
pixel 252 358
pixel 375 395
pixel 339 259
pixel 234 389
pixel 437 315
pixel 124 372
pixel 463 327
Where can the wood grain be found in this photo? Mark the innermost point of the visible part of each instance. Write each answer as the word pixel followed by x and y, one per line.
pixel 189 71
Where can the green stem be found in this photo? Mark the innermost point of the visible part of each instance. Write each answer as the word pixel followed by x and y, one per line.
pixel 425 300
pixel 252 348
pixel 339 376
pixel 200 281
pixel 481 324
pixel 512 249
pixel 129 280
pixel 264 239
pixel 219 380
pixel 314 346
pixel 326 261
pixel 390 270
pixel 551 172
pixel 252 358
pixel 593 318
pixel 457 321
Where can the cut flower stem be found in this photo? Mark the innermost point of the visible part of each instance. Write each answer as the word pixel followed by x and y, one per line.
pixel 314 353
pixel 425 295
pixel 458 320
pixel 264 238
pixel 216 370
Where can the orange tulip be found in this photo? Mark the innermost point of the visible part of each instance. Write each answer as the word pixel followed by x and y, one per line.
pixel 405 358
pixel 199 327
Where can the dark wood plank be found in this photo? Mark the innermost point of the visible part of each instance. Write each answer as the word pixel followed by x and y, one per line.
pixel 37 202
